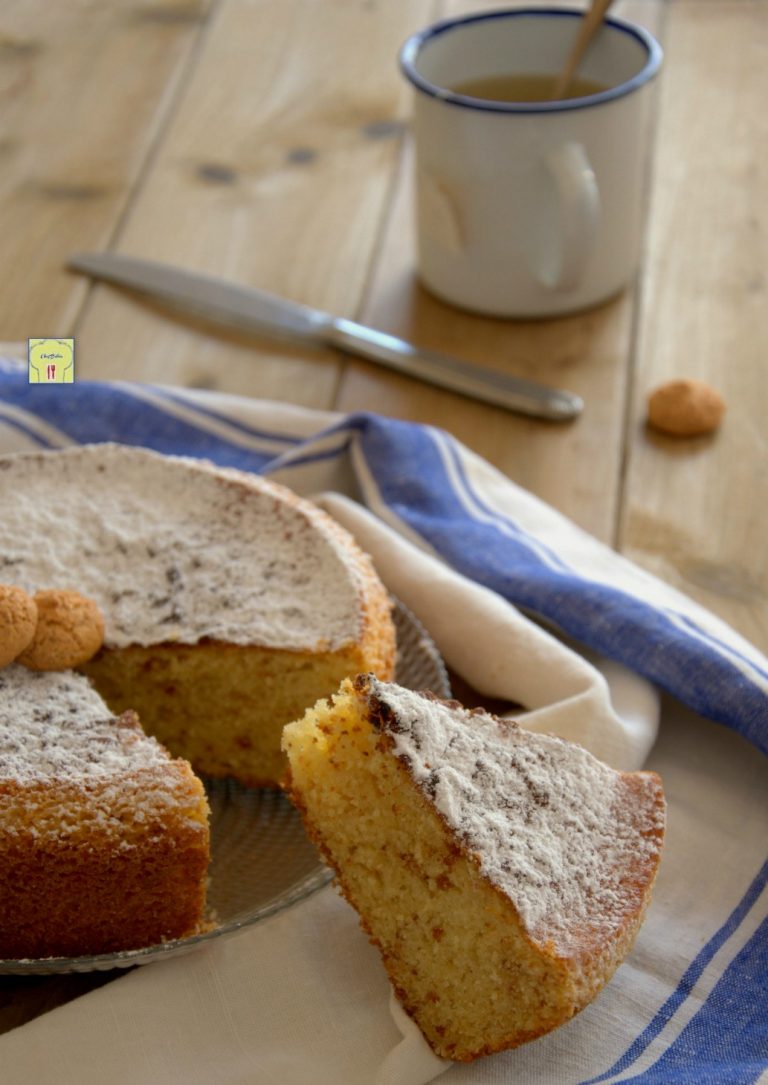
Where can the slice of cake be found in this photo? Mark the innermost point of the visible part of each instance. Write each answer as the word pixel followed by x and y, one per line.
pixel 103 837
pixel 502 874
pixel 230 604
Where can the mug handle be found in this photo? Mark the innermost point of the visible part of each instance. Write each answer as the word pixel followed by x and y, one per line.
pixel 579 203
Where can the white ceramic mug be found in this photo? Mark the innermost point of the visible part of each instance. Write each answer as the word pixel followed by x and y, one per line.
pixel 529 209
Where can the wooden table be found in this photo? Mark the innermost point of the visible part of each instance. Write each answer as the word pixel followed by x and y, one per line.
pixel 268 142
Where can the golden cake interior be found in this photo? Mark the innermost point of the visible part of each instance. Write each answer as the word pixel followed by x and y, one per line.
pixel 461 961
pixel 223 707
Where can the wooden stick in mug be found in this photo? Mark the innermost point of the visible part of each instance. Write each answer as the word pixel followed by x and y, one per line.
pixel 589 25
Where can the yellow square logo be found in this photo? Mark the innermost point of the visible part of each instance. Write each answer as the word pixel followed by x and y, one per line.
pixel 51 361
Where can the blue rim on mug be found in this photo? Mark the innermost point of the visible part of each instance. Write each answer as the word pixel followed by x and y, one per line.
pixel 415 43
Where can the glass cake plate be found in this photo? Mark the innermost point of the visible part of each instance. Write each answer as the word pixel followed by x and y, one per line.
pixel 261 860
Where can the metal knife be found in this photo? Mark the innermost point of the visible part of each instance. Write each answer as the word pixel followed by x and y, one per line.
pixel 250 309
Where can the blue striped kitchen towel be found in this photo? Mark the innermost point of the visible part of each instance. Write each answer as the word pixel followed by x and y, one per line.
pixel 428 486
pixel 691 1003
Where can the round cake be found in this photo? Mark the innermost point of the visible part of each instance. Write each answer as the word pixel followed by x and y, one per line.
pixel 229 605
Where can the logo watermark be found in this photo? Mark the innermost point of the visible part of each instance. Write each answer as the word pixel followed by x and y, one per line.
pixel 51 361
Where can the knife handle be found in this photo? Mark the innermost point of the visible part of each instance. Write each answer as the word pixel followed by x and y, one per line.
pixel 444 371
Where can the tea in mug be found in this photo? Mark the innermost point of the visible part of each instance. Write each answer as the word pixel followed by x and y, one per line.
pixel 523 87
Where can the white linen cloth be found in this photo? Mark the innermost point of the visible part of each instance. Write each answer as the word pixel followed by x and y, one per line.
pixel 301 998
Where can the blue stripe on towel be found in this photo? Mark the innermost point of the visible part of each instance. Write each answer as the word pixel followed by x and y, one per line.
pixel 28 431
pixel 727 1040
pixel 693 973
pixel 93 412
pixel 189 402
pixel 763 671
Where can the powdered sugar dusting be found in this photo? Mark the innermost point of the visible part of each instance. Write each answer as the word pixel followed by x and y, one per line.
pixel 54 726
pixel 176 550
pixel 549 824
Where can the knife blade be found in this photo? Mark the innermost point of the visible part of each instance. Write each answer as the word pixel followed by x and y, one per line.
pixel 249 309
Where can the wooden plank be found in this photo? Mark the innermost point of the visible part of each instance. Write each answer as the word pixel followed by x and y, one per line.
pixel 576 466
pixel 276 172
pixel 697 509
pixel 84 90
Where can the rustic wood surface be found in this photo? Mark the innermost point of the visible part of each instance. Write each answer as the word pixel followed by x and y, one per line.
pixel 269 143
